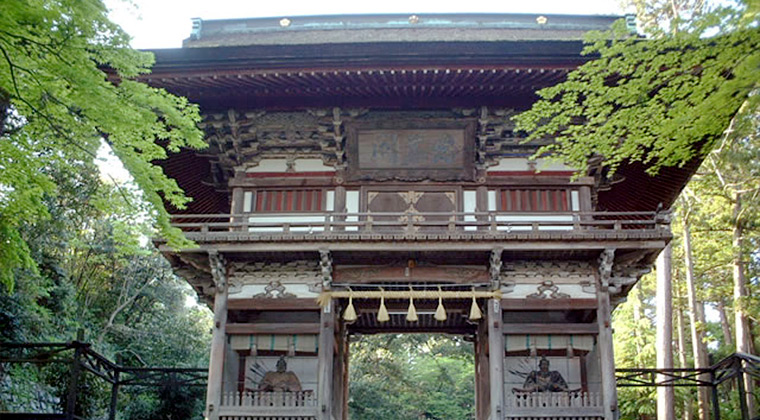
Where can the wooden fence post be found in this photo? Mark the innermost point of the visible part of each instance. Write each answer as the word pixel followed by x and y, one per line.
pixel 114 390
pixel 74 372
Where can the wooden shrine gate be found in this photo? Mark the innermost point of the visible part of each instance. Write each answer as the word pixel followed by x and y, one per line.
pixel 366 161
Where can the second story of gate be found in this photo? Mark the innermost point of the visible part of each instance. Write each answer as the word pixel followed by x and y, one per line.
pixel 321 134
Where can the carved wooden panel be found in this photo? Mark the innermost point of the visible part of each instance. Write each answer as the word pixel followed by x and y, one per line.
pixel 441 150
pixel 379 274
pixel 412 203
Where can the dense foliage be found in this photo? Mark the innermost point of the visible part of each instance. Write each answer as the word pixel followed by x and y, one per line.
pixel 664 100
pixel 97 271
pixel 74 249
pixel 66 82
pixel 411 377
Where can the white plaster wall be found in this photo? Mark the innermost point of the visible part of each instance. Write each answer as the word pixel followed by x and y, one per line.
pixel 522 164
pixel 269 165
pixel 312 165
pixel 281 165
pixel 510 164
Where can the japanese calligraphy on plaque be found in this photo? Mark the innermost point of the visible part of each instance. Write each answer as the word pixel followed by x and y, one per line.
pixel 440 151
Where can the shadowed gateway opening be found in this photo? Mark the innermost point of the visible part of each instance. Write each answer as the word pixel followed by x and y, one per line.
pixel 411 376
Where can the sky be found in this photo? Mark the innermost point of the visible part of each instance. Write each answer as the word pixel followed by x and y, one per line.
pixel 165 23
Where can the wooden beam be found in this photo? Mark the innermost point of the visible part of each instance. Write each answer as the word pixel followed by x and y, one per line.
pixel 664 337
pixel 548 304
pixel 376 274
pixel 496 358
pixel 606 355
pixel 281 328
pixel 456 330
pixel 517 243
pixel 285 304
pixel 482 372
pixel 536 328
pixel 325 364
pixel 218 339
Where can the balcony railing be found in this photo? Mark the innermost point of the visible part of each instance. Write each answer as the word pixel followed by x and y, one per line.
pixel 301 404
pixel 566 405
pixel 411 223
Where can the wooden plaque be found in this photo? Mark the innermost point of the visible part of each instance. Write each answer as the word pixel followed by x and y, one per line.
pixel 411 150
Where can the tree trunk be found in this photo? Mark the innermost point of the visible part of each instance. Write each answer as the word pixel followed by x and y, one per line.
pixel 665 395
pixel 636 302
pixel 724 324
pixel 4 106
pixel 697 320
pixel 740 295
pixel 688 411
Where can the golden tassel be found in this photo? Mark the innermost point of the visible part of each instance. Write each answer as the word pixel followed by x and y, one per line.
pixel 440 312
pixel 382 313
pixel 475 313
pixel 411 314
pixel 350 313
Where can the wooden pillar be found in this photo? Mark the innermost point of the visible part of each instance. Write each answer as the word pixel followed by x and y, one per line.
pixel 326 354
pixel 114 394
pixel 584 198
pixel 340 199
pixel 664 339
pixel 714 401
pixel 74 373
pixel 346 359
pixel 481 205
pixel 339 206
pixel 496 359
pixel 236 206
pixel 604 322
pixel 339 368
pixel 218 338
pixel 482 373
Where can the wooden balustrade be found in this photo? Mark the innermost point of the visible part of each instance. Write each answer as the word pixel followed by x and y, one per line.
pixel 483 223
pixel 252 398
pixel 251 403
pixel 543 405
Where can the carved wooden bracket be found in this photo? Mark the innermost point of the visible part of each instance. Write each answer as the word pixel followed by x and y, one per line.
pixel 495 267
pixel 325 263
pixel 218 270
pixel 606 261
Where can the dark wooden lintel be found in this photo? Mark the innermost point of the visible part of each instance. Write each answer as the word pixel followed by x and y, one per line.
pixel 547 304
pixel 283 329
pixel 286 304
pixel 535 328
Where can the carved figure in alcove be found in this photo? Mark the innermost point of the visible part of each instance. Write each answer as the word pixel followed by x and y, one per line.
pixel 281 380
pixel 543 380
